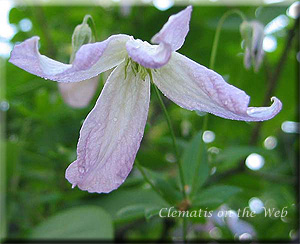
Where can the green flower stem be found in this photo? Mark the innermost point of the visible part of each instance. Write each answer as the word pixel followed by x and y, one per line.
pixel 3 220
pixel 93 26
pixel 218 32
pixel 184 228
pixel 168 121
pixel 146 178
pixel 173 139
pixel 215 47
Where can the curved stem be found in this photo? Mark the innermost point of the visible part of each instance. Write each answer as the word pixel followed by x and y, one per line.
pixel 184 226
pixel 218 32
pixel 93 25
pixel 173 139
pixel 215 47
pixel 168 121
pixel 3 187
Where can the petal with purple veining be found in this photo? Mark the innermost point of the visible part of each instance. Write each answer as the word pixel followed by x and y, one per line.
pixel 194 87
pixel 175 30
pixel 91 59
pixel 147 55
pixel 111 134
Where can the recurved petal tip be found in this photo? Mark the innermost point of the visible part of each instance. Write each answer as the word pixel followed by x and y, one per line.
pixel 26 56
pixel 175 30
pixel 265 113
pixel 147 55
pixel 194 87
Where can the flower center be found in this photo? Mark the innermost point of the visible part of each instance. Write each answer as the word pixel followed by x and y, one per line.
pixel 136 68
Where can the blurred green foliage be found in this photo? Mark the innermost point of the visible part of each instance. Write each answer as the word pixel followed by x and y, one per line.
pixel 42 134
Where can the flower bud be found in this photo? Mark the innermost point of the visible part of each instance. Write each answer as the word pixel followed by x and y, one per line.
pixel 252 33
pixel 82 34
pixel 79 94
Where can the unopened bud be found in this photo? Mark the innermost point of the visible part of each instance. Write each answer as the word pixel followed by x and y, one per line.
pixel 253 35
pixel 79 94
pixel 82 34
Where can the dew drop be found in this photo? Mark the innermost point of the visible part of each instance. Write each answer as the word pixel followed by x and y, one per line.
pixel 73 185
pixel 81 169
pixel 115 119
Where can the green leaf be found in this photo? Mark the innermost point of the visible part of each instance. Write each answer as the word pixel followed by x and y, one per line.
pixel 214 196
pixel 132 212
pixel 139 210
pixel 123 198
pixel 164 184
pixel 152 211
pixel 195 164
pixel 169 191
pixel 86 222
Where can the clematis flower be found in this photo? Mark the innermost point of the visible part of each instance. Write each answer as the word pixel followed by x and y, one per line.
pixel 112 132
pixel 253 35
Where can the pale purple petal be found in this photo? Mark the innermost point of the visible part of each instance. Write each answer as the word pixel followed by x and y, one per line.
pixel 257 50
pixel 194 87
pixel 91 59
pixel 175 30
pixel 78 94
pixel 147 55
pixel 111 134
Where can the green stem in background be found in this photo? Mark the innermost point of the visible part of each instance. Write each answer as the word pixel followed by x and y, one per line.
pixel 168 121
pixel 173 138
pixel 215 47
pixel 181 175
pixel 184 228
pixel 93 26
pixel 2 156
pixel 218 32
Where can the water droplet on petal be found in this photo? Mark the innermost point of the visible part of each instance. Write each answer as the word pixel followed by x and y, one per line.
pixel 81 169
pixel 73 185
pixel 115 119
